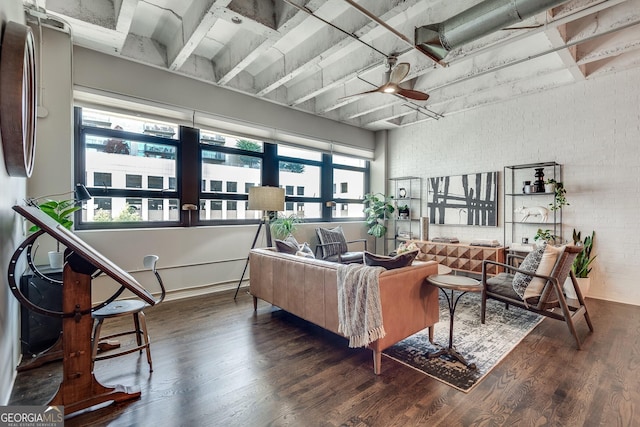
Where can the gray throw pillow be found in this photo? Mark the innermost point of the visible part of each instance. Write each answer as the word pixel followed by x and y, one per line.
pixel 289 245
pixel 305 251
pixel 334 235
pixel 403 260
pixel 530 263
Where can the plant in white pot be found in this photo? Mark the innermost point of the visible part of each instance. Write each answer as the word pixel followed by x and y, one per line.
pixel 581 265
pixel 61 211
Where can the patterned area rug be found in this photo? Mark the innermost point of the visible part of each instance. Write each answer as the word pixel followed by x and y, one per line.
pixel 485 345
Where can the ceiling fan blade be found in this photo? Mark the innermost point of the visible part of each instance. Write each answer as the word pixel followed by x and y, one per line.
pixel 413 94
pixel 399 72
pixel 379 89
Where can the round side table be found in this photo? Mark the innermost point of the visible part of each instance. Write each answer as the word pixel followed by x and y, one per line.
pixel 453 284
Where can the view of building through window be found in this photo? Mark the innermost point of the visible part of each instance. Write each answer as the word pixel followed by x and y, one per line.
pixel 131 164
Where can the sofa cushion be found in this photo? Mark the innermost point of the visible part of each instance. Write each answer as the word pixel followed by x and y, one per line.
pixel 530 264
pixel 333 235
pixel 402 260
pixel 289 245
pixel 305 251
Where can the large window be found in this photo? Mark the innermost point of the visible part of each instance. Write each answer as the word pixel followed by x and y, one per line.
pixel 352 175
pixel 143 172
pixel 124 161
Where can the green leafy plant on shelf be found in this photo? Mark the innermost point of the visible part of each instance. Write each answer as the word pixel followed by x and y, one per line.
pixel 283 226
pixel 545 235
pixel 560 194
pixel 378 209
pixel 582 264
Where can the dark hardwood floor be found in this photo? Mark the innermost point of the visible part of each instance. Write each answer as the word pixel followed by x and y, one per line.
pixel 216 363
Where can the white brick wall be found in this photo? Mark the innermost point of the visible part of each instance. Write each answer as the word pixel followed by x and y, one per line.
pixel 592 128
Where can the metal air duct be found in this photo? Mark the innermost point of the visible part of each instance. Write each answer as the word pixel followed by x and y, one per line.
pixel 436 40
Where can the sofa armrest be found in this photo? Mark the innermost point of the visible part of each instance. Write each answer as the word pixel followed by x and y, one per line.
pixel 409 304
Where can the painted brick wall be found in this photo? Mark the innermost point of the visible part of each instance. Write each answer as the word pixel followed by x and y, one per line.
pixel 592 128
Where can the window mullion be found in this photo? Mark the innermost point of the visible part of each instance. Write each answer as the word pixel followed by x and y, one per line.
pixel 326 186
pixel 189 172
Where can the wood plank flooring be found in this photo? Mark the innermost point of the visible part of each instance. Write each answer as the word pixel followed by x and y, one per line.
pixel 217 363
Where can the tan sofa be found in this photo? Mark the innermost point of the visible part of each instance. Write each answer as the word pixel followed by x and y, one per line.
pixel 307 288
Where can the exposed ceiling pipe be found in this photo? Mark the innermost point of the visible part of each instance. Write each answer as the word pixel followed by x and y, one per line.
pixel 436 40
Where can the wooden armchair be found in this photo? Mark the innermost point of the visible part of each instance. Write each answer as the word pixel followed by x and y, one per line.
pixel 333 246
pixel 550 303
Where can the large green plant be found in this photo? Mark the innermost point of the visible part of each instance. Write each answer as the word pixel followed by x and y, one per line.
pixel 582 264
pixel 377 209
pixel 60 210
pixel 282 226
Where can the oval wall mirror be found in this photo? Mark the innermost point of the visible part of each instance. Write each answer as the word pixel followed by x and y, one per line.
pixel 18 102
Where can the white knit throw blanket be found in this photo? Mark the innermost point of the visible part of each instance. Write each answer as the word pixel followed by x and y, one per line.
pixel 359 308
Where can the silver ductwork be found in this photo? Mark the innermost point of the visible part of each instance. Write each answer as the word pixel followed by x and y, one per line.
pixel 436 40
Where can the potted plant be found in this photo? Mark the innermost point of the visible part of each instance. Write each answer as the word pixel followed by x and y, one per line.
pixel 403 212
pixel 545 235
pixel 61 211
pixel 377 209
pixel 283 226
pixel 582 264
pixel 560 194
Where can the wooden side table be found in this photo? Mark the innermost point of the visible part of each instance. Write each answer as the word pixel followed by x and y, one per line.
pixel 461 284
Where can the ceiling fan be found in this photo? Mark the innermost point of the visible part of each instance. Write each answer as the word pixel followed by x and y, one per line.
pixel 394 74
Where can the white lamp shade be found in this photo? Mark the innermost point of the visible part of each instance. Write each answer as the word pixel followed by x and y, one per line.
pixel 266 199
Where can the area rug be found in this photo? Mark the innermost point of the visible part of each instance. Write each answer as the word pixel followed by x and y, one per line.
pixel 485 345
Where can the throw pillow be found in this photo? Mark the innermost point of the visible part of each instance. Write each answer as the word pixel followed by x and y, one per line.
pixel 548 261
pixel 305 251
pixel 407 247
pixel 530 263
pixel 289 245
pixel 398 261
pixel 334 235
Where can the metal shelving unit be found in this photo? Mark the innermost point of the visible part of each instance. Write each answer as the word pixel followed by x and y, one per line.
pixel 516 228
pixel 406 191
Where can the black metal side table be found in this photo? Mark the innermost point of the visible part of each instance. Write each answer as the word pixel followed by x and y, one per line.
pixel 461 284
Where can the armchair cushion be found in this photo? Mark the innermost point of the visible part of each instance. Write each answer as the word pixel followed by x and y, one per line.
pixel 530 263
pixel 402 260
pixel 327 237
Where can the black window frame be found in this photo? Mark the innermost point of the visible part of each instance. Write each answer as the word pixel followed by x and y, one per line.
pixel 187 188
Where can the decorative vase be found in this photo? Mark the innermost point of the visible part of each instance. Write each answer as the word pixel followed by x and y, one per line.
pixel 539 182
pixel 56 259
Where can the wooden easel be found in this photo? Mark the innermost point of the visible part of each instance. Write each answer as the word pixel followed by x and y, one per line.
pixel 79 388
